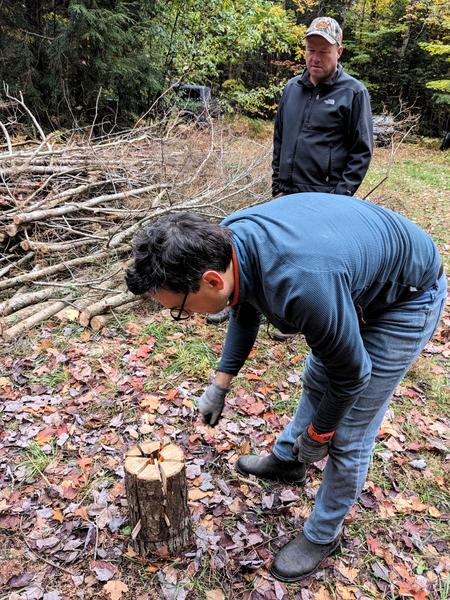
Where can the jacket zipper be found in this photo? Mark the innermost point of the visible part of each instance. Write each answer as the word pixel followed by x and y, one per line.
pixel 306 114
pixel 327 178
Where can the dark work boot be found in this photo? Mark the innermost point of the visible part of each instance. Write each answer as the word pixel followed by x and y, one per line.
pixel 282 337
pixel 220 317
pixel 300 558
pixel 271 467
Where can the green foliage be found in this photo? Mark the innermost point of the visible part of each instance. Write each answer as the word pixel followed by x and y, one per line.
pixel 223 34
pixel 385 44
pixel 257 102
pixel 70 57
pixel 441 86
pixel 436 48
pixel 73 59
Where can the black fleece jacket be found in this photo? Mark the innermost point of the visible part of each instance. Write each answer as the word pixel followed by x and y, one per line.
pixel 323 136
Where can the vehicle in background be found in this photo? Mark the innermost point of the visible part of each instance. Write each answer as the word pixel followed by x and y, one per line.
pixel 196 102
pixel 383 129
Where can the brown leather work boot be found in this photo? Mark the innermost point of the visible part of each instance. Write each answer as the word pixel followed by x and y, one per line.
pixel 300 558
pixel 271 467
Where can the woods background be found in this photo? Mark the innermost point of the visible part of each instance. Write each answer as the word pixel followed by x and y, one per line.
pixel 73 57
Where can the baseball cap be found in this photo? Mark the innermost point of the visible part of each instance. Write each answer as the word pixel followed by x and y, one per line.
pixel 326 27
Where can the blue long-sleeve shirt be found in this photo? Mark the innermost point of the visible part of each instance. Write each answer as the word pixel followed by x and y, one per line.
pixel 314 263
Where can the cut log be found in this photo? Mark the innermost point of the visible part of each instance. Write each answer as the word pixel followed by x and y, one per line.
pixel 67 265
pixel 22 314
pixel 106 303
pixel 46 247
pixel 41 215
pixel 155 482
pixel 72 312
pixel 11 230
pixel 21 261
pixel 99 321
pixel 42 315
pixel 12 305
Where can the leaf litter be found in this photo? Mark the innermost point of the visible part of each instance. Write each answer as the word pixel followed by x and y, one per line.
pixel 64 530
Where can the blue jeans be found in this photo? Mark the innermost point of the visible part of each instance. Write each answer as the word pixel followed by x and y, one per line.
pixel 393 341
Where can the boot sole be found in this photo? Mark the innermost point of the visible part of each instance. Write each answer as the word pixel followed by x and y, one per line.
pixel 275 574
pixel 298 482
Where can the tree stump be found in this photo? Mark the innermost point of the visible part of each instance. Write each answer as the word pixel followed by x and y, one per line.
pixel 155 482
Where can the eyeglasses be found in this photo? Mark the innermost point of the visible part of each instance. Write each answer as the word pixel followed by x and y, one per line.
pixel 179 314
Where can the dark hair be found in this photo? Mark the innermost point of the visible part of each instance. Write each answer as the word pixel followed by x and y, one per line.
pixel 175 251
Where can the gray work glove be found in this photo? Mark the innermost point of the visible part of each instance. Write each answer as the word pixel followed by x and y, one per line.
pixel 211 403
pixel 309 450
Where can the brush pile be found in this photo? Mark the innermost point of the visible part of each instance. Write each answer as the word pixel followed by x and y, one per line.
pixel 70 204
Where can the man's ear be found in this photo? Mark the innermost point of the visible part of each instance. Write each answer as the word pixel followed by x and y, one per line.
pixel 213 279
pixel 340 50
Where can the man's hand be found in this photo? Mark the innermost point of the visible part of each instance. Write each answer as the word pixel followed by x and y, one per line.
pixel 310 446
pixel 211 403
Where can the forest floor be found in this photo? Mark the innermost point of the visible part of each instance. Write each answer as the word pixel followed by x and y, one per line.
pixel 73 401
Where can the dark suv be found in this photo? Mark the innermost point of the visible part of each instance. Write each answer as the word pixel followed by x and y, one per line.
pixel 197 101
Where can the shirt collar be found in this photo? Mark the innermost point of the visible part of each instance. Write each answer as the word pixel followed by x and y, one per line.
pixel 235 297
pixel 330 81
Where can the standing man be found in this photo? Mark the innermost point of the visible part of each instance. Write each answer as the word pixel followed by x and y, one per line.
pixel 362 283
pixel 323 136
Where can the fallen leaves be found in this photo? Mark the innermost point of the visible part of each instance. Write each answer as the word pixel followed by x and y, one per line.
pixel 44 436
pixel 103 570
pixel 115 588
pixel 349 573
pixel 116 389
pixel 216 594
pixel 150 402
pixel 197 494
pixel 9 569
pixel 322 594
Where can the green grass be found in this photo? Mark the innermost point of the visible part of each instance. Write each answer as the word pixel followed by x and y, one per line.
pixel 286 406
pixel 194 359
pixel 438 396
pixel 414 170
pixel 52 379
pixel 444 589
pixel 436 386
pixel 160 329
pixel 206 579
pixel 36 460
pixel 417 176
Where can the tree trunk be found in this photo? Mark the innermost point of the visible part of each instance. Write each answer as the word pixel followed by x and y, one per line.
pixel 155 483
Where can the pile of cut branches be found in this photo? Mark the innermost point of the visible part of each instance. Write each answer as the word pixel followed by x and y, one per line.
pixel 71 203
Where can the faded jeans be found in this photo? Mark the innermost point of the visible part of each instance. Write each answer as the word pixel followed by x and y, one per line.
pixel 393 341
